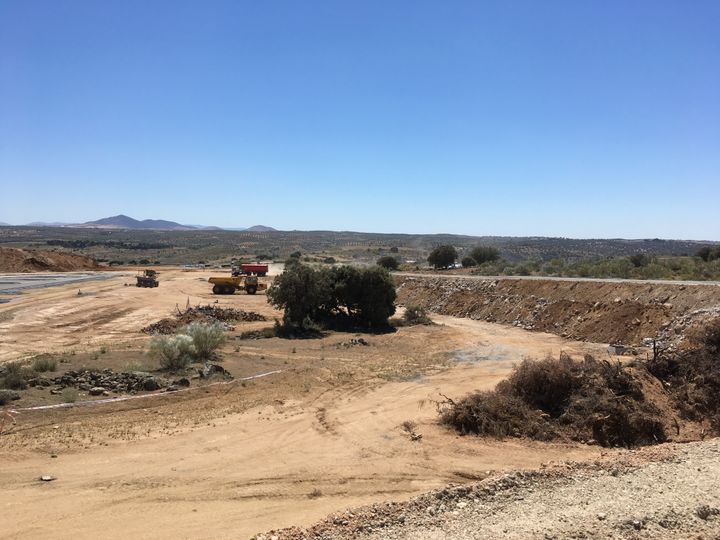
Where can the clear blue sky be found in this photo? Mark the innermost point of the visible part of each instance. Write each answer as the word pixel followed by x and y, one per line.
pixel 560 118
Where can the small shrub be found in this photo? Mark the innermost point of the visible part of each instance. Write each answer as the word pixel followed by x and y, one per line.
pixel 69 395
pixel 173 352
pixel 6 396
pixel 42 364
pixel 483 254
pixel 314 494
pixel 13 377
pixel 498 414
pixel 415 315
pixel 388 262
pixel 468 262
pixel 206 339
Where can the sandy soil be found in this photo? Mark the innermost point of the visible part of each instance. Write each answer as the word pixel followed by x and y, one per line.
pixel 670 491
pixel 232 460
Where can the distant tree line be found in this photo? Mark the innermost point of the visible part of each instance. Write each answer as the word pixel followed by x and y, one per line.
pixel 82 244
pixel 445 256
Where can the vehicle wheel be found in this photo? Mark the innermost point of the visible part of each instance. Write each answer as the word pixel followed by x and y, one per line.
pixel 251 290
pixel 217 289
pixel 230 289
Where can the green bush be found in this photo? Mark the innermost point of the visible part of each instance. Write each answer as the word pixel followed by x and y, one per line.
pixel 388 262
pixel 172 352
pixel 442 257
pixel 468 262
pixel 206 339
pixel 483 254
pixel 41 364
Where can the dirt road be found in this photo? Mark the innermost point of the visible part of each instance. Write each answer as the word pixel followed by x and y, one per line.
pixel 551 278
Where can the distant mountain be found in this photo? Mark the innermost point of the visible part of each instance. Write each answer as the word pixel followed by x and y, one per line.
pixel 126 222
pixel 3 224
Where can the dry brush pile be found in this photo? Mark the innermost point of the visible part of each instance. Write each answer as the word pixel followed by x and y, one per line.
pixel 612 404
pixel 204 315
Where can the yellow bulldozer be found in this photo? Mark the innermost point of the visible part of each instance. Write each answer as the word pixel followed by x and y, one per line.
pixel 230 284
pixel 148 278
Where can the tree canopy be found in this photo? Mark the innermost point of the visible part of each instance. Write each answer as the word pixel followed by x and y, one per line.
pixel 359 296
pixel 483 254
pixel 443 256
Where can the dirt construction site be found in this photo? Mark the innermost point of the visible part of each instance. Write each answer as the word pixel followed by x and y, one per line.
pixel 344 425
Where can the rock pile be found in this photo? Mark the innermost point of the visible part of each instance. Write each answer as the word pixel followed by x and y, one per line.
pixel 202 314
pixel 98 383
pixel 354 342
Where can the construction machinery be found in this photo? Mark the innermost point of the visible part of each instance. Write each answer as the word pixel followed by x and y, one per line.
pixel 249 269
pixel 230 284
pixel 148 278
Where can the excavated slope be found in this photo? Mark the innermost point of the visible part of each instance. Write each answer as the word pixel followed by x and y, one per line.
pixel 600 311
pixel 27 260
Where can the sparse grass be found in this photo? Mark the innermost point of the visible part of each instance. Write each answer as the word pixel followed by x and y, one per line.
pixel 263 333
pixel 103 350
pixel 13 376
pixel 6 396
pixel 409 426
pixel 43 363
pixel 137 366
pixel 69 395
pixel 314 494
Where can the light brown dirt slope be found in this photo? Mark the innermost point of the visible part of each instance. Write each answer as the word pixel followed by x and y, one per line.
pixel 596 311
pixel 30 260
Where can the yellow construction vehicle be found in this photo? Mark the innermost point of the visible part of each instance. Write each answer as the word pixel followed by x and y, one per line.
pixel 148 278
pixel 230 284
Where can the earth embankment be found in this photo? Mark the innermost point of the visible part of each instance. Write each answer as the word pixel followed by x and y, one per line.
pixel 27 260
pixel 598 311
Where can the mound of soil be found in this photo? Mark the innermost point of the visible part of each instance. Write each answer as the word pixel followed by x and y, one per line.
pixel 30 260
pixel 201 314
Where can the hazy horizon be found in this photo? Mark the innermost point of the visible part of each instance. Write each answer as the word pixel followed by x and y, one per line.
pixel 576 120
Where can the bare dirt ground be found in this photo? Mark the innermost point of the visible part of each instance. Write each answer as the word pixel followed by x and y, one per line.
pixel 672 491
pixel 231 460
pixel 323 434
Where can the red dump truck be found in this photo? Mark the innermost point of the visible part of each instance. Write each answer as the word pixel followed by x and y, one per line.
pixel 250 269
